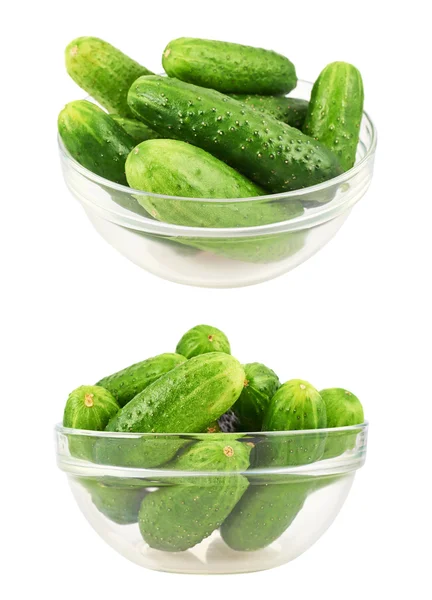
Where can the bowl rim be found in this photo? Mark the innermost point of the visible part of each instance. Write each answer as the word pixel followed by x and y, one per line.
pixel 310 218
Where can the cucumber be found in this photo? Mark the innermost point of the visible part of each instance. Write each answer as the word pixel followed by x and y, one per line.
pixel 137 453
pixel 296 405
pixel 103 71
pixel 126 384
pixel 261 384
pixel 187 399
pixel 201 340
pixel 263 514
pixel 335 111
pixel 343 409
pixel 89 407
pixel 95 140
pixel 291 111
pixel 138 131
pixel 119 504
pixel 228 67
pixel 179 516
pixel 271 153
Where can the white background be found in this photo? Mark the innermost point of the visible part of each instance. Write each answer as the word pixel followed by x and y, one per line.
pixel 357 315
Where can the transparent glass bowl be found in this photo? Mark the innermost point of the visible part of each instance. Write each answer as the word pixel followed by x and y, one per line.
pixel 125 486
pixel 230 256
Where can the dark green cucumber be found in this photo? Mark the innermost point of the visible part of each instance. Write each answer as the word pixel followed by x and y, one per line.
pixel 291 111
pixel 264 513
pixel 144 452
pixel 261 384
pixel 343 409
pixel 103 71
pixel 179 516
pixel 297 405
pixel 126 384
pixel 202 339
pixel 187 399
pixel 228 67
pixel 95 140
pixel 119 504
pixel 271 153
pixel 335 111
pixel 138 131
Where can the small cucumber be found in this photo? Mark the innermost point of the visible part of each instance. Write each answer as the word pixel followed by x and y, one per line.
pixel 103 71
pixel 228 67
pixel 136 129
pixel 263 514
pixel 137 453
pixel 179 516
pixel 201 340
pixel 271 153
pixel 119 504
pixel 126 384
pixel 185 400
pixel 89 407
pixel 95 140
pixel 291 111
pixel 335 111
pixel 296 405
pixel 343 409
pixel 261 384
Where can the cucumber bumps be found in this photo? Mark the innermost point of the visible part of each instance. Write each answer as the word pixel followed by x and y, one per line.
pixel 228 67
pixel 335 111
pixel 89 407
pixel 272 154
pixel 201 340
pixel 261 384
pixel 103 72
pixel 343 409
pixel 291 111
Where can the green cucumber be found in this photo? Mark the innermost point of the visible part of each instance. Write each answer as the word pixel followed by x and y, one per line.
pixel 271 153
pixel 138 131
pixel 261 384
pixel 343 409
pixel 228 67
pixel 95 140
pixel 89 407
pixel 119 504
pixel 189 509
pixel 297 405
pixel 335 111
pixel 202 339
pixel 264 513
pixel 144 452
pixel 103 71
pixel 126 384
pixel 187 399
pixel 291 111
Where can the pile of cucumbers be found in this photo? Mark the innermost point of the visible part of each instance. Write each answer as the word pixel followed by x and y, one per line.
pixel 202 389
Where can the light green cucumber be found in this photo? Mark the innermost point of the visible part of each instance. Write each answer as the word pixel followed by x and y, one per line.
pixel 335 111
pixel 103 71
pixel 271 153
pixel 228 67
pixel 261 384
pixel 138 131
pixel 202 339
pixel 95 140
pixel 189 509
pixel 343 409
pixel 126 384
pixel 119 504
pixel 185 400
pixel 291 111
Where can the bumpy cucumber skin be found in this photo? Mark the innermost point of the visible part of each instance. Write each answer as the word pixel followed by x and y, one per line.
pixel 343 409
pixel 138 131
pixel 179 516
pixel 126 384
pixel 263 514
pixel 271 153
pixel 291 111
pixel 296 405
pixel 119 504
pixel 202 339
pixel 89 407
pixel 139 453
pixel 261 384
pixel 95 140
pixel 185 400
pixel 335 111
pixel 228 67
pixel 103 71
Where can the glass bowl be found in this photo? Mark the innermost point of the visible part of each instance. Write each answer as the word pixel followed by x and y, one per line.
pixel 232 256
pixel 211 521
